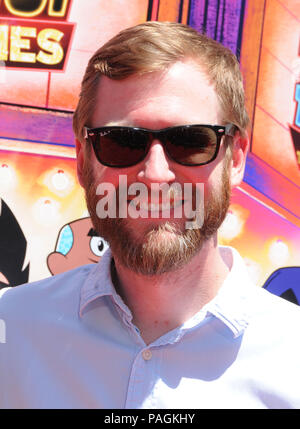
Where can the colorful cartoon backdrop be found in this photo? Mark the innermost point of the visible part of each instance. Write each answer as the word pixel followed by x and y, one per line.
pixel 44 49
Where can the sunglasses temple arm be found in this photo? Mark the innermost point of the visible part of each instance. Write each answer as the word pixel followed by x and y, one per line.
pixel 85 133
pixel 230 130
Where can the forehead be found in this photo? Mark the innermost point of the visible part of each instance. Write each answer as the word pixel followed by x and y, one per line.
pixel 180 95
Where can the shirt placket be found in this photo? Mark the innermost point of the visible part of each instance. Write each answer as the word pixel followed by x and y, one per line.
pixel 142 377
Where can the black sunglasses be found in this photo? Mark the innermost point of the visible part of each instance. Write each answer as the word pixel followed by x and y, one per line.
pixel 190 145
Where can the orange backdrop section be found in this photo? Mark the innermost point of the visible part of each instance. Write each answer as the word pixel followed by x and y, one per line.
pixel 58 90
pixel 274 106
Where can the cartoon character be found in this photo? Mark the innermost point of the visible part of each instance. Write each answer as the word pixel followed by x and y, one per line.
pixel 13 245
pixel 285 282
pixel 77 244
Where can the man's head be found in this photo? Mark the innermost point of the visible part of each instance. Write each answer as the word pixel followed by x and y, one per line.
pixel 155 46
pixel 156 76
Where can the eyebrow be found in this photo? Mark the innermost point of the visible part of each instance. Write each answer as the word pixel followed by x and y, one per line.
pixel 93 233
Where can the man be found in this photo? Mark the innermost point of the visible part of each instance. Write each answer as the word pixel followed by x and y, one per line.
pixel 166 319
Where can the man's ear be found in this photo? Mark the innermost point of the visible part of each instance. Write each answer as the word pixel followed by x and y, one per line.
pixel 80 160
pixel 238 162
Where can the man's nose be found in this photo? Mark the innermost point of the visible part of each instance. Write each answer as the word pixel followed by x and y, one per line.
pixel 156 166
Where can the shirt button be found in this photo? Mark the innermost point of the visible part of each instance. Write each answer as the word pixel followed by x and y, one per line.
pixel 147 354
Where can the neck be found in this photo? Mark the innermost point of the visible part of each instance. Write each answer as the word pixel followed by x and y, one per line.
pixel 162 303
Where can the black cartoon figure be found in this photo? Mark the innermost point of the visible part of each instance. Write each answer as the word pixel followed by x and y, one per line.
pixel 13 245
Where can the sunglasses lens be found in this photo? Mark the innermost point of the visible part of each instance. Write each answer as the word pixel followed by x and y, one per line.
pixel 125 147
pixel 120 147
pixel 191 145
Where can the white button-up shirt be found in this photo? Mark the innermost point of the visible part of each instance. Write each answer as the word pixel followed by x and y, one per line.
pixel 69 342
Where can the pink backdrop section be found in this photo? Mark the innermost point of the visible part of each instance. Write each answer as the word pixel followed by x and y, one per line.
pixel 96 22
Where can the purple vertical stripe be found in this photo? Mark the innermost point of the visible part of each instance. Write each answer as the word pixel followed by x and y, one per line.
pixel 197 14
pixel 221 15
pixel 231 24
pixel 222 21
pixel 212 18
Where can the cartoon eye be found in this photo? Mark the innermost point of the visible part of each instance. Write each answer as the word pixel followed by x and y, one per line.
pixel 65 240
pixel 98 246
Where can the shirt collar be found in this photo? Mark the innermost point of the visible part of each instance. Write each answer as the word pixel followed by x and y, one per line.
pixel 99 283
pixel 231 305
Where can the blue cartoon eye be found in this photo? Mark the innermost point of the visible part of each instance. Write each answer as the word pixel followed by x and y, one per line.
pixel 98 245
pixel 65 240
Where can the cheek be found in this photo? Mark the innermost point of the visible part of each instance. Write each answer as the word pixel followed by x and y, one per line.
pixel 102 176
pixel 97 173
pixel 211 177
pixel 204 175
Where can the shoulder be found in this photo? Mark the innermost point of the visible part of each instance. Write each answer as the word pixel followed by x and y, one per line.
pixel 274 319
pixel 263 306
pixel 31 296
pixel 275 306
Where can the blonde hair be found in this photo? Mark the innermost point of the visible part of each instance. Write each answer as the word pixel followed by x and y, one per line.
pixel 155 46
